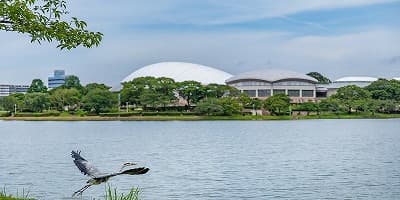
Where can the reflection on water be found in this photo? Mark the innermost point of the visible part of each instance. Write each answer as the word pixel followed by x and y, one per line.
pixel 314 159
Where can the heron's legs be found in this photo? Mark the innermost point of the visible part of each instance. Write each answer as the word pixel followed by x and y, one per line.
pixel 79 192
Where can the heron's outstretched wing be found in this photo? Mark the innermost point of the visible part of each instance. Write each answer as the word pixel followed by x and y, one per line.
pixel 134 171
pixel 84 166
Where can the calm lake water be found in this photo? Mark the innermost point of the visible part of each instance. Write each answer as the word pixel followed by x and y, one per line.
pixel 310 159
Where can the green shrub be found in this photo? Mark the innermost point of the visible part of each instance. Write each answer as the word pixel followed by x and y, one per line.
pixel 43 114
pixel 111 194
pixel 5 114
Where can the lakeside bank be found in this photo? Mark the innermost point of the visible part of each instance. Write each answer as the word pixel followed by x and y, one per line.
pixel 202 118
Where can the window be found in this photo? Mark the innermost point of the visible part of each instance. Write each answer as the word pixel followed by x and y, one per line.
pixel 264 93
pixel 294 93
pixel 251 93
pixel 279 92
pixel 307 93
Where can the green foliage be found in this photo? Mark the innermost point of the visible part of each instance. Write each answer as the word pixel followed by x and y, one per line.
pixel 277 104
pixel 36 102
pixel 72 81
pixel 329 105
pixel 99 100
pixel 44 21
pixel 37 86
pixel 112 194
pixel 92 86
pixel 245 100
pixel 321 79
pixel 385 89
pixel 38 114
pixel 308 107
pixel 210 107
pixel 351 96
pixel 191 91
pixel 61 98
pixel 217 91
pixel 23 196
pixel 230 106
pixel 149 92
pixel 8 103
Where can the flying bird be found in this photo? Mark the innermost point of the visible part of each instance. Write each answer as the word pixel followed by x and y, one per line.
pixel 97 177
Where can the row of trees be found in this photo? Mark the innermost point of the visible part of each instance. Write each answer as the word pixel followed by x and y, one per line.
pixel 164 94
pixel 70 96
pixel 159 93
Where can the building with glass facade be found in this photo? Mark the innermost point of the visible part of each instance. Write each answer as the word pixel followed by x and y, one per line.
pixel 265 83
pixel 57 79
pixel 6 90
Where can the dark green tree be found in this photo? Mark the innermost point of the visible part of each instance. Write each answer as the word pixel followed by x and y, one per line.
pixel 8 103
pixel 385 89
pixel 329 105
pixel 36 102
pixel 37 85
pixel 210 107
pixel 277 104
pixel 230 106
pixel 191 91
pixel 321 79
pixel 132 90
pixel 92 86
pixel 308 107
pixel 99 100
pixel 73 81
pixel 61 98
pixel 350 96
pixel 45 21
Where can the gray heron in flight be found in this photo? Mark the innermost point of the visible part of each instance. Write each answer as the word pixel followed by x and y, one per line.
pixel 97 177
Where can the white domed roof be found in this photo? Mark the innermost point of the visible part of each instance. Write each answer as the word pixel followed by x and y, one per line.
pixel 180 71
pixel 272 75
pixel 397 78
pixel 356 79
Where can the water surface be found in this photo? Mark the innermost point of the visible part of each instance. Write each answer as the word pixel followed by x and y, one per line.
pixel 310 159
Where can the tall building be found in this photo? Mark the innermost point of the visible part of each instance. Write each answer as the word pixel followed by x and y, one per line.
pixel 57 79
pixel 6 90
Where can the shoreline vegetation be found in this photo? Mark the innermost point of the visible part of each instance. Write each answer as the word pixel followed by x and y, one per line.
pixel 186 117
pixel 109 194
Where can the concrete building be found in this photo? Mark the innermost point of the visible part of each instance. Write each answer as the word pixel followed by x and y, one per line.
pixel 180 71
pixel 57 79
pixel 6 90
pixel 360 81
pixel 265 83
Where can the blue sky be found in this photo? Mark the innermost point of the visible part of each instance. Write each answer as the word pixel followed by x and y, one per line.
pixel 334 37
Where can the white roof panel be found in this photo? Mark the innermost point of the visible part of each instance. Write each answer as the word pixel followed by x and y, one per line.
pixel 356 79
pixel 180 71
pixel 271 75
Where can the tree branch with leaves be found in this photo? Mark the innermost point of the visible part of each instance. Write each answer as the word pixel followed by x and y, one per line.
pixel 44 21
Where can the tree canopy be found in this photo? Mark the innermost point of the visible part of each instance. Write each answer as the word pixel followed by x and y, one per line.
pixel 37 86
pixel 321 78
pixel 44 21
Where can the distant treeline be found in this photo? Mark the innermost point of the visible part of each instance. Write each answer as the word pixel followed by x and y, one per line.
pixel 156 95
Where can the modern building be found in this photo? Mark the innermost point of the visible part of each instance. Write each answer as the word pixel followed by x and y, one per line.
pixel 265 83
pixel 6 90
pixel 360 81
pixel 181 71
pixel 57 79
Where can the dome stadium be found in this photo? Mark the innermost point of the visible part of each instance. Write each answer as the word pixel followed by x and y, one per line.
pixel 181 71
